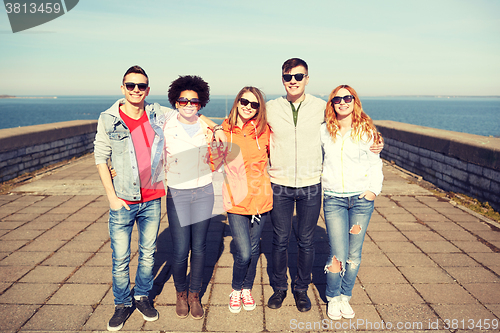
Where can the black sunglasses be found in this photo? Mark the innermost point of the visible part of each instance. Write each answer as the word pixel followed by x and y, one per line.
pixel 254 105
pixel 131 86
pixel 184 101
pixel 298 77
pixel 346 98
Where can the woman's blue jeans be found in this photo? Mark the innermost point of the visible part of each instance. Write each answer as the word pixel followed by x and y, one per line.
pixel 246 238
pixel 346 223
pixel 307 203
pixel 189 212
pixel 121 223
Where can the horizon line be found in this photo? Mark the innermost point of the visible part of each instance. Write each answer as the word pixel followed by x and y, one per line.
pixel 7 96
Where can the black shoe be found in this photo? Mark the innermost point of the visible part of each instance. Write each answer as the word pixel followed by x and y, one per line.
pixel 277 299
pixel 121 314
pixel 148 312
pixel 302 300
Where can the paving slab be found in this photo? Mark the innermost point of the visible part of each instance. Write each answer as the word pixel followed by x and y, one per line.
pixel 407 317
pixel 444 293
pixel 426 262
pixel 14 316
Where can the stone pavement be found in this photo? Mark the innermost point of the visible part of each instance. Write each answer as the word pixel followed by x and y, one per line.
pixel 426 265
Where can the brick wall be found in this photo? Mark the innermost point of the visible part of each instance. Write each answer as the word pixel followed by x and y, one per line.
pixel 26 149
pixel 453 161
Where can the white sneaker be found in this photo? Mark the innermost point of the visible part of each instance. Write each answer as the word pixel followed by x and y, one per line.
pixel 247 300
pixel 333 310
pixel 345 309
pixel 235 301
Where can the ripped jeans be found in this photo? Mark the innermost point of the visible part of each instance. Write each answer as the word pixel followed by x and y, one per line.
pixel 346 223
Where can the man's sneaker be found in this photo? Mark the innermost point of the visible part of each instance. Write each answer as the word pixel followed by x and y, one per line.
pixel 121 314
pixel 346 309
pixel 235 301
pixel 247 300
pixel 333 310
pixel 148 312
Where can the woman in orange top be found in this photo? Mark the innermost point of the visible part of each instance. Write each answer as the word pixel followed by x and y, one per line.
pixel 246 192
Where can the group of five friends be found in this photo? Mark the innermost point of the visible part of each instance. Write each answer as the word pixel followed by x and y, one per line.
pixel 276 160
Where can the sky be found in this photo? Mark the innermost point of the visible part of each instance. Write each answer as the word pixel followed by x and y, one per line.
pixel 384 47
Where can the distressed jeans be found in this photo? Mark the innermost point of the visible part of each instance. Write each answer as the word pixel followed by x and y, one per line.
pixel 121 222
pixel 346 223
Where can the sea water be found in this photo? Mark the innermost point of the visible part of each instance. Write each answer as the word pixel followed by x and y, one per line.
pixel 474 115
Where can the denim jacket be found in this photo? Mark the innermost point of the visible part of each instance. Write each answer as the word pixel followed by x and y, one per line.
pixel 114 141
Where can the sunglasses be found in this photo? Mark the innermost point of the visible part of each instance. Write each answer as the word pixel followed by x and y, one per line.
pixel 245 102
pixel 131 86
pixel 346 98
pixel 298 77
pixel 184 101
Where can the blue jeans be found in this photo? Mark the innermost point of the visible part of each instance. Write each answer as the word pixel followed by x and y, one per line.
pixel 346 223
pixel 189 212
pixel 246 238
pixel 307 203
pixel 121 223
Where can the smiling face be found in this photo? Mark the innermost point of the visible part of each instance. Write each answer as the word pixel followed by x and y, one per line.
pixel 343 110
pixel 188 113
pixel 135 96
pixel 245 113
pixel 295 89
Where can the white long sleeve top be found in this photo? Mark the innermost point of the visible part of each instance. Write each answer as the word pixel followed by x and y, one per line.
pixel 349 167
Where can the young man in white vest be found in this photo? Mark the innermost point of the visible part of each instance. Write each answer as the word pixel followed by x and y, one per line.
pixel 295 170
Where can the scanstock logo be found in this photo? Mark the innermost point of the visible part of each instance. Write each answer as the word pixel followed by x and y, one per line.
pixel 28 14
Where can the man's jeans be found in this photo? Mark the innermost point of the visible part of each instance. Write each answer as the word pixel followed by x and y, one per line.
pixel 121 223
pixel 346 223
pixel 189 212
pixel 307 202
pixel 246 238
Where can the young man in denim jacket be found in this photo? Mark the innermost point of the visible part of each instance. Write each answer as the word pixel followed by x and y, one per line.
pixel 130 134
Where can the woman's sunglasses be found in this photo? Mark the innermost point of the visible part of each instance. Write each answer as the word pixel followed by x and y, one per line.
pixel 298 77
pixel 184 101
pixel 245 102
pixel 346 98
pixel 131 86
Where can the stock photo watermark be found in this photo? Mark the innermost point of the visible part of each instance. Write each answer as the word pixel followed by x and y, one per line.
pixel 25 15
pixel 363 324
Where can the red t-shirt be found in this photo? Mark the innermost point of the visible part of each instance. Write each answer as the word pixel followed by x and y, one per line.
pixel 142 137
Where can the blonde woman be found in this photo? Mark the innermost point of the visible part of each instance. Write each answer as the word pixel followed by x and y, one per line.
pixel 247 193
pixel 352 178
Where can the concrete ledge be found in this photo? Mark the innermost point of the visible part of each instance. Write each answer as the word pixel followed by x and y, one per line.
pixel 14 138
pixel 458 162
pixel 476 149
pixel 30 148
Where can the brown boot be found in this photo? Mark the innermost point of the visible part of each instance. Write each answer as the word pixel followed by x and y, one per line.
pixel 181 307
pixel 195 305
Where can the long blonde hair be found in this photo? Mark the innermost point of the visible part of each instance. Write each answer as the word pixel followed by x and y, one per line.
pixel 260 116
pixel 362 124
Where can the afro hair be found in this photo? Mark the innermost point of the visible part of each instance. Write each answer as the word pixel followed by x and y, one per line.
pixel 189 82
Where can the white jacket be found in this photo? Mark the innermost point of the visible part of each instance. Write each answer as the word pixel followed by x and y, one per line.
pixel 349 166
pixel 187 158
